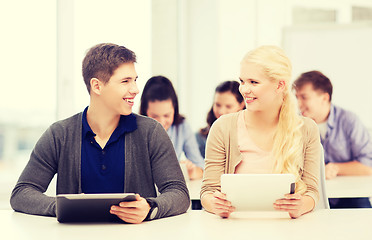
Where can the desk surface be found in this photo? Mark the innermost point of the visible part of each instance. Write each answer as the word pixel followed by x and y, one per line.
pixel 349 186
pixel 323 224
pixel 341 186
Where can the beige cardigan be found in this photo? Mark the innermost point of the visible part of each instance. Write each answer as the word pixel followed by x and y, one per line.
pixel 222 154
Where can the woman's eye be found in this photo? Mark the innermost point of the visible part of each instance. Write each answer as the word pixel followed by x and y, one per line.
pixel 254 82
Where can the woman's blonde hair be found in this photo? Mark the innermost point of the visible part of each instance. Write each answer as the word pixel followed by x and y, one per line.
pixel 287 150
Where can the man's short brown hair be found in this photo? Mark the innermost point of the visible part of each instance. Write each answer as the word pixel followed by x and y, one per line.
pixel 317 79
pixel 103 59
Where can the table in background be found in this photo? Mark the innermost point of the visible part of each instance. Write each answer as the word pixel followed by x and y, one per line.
pixel 194 191
pixel 349 187
pixel 323 224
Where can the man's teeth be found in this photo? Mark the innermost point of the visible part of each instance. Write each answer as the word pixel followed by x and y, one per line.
pixel 250 98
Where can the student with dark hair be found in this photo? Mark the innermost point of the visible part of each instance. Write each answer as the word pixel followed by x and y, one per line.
pixel 346 141
pixel 106 149
pixel 159 101
pixel 227 99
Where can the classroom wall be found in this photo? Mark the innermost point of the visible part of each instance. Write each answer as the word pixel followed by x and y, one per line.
pixel 343 53
pixel 213 36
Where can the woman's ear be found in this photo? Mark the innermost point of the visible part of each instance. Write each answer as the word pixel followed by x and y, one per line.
pixel 95 86
pixel 281 86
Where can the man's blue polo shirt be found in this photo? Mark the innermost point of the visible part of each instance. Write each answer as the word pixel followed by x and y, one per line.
pixel 102 170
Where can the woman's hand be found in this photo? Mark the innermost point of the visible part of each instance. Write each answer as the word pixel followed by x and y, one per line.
pixel 295 204
pixel 133 211
pixel 220 205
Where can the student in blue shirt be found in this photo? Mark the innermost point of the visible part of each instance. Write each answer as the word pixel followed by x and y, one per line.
pixel 106 149
pixel 346 142
pixel 159 101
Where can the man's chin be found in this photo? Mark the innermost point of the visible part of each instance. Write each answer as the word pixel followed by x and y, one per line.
pixel 125 113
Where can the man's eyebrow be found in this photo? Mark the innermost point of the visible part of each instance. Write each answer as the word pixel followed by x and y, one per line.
pixel 129 78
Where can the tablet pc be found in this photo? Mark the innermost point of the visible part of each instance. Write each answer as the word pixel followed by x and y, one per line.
pixel 89 207
pixel 256 192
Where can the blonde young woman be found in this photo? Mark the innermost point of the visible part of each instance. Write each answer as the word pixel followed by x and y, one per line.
pixel 267 137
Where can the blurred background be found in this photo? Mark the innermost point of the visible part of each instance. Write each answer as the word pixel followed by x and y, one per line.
pixel 195 43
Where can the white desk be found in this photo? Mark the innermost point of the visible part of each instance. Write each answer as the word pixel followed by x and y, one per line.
pixel 339 187
pixel 194 187
pixel 349 186
pixel 323 224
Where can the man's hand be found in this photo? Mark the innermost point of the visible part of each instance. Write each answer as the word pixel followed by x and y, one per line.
pixel 331 170
pixel 132 212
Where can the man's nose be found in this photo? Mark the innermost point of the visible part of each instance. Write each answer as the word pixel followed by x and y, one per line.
pixel 300 103
pixel 134 89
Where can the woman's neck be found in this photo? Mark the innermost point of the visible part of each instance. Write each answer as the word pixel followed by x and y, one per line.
pixel 262 119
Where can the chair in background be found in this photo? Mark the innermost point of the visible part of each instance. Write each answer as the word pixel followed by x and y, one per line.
pixel 323 199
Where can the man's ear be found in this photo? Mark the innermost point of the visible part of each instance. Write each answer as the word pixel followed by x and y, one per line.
pixel 326 97
pixel 95 86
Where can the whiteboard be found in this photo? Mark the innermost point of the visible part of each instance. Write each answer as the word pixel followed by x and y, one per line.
pixel 341 52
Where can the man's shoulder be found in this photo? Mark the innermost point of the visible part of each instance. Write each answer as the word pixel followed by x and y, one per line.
pixel 344 116
pixel 70 122
pixel 144 122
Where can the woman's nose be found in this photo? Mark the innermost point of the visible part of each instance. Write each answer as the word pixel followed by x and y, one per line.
pixel 221 111
pixel 163 122
pixel 246 89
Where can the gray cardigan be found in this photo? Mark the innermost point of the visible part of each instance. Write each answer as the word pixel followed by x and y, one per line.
pixel 149 159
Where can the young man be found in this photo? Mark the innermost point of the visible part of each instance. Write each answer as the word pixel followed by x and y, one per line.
pixel 346 142
pixel 106 149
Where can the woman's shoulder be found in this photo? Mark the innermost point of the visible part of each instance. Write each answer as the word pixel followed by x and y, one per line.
pixel 309 127
pixel 226 122
pixel 230 117
pixel 308 123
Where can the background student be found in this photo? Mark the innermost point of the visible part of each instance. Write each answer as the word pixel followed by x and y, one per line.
pixel 159 101
pixel 106 149
pixel 267 137
pixel 346 141
pixel 227 99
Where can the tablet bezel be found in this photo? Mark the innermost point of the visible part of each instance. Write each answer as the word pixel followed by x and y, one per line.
pixel 89 207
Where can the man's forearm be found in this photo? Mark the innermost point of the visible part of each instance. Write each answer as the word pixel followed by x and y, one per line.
pixel 353 168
